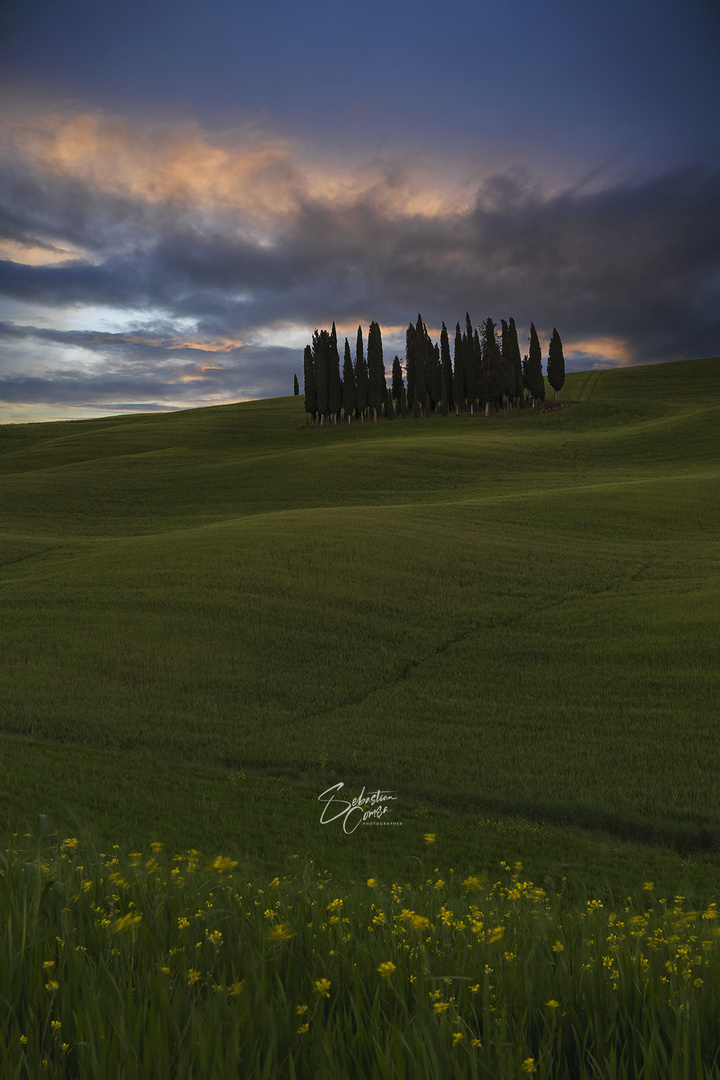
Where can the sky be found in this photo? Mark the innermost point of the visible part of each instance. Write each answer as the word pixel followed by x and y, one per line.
pixel 188 189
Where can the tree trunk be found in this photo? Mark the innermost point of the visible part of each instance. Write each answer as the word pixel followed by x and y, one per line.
pixel 487 408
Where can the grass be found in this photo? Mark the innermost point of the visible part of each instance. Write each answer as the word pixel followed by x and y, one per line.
pixel 208 618
pixel 144 964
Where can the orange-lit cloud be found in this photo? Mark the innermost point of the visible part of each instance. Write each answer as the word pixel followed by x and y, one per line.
pixel 27 253
pixel 606 349
pixel 260 177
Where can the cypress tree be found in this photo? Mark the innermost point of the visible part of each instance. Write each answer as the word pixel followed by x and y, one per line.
pixel 310 385
pixel 458 372
pixel 397 380
pixel 421 360
pixel 447 371
pixel 321 347
pixel 506 352
pixel 469 364
pixel 388 407
pixel 494 375
pixel 410 363
pixel 296 386
pixel 508 372
pixel 334 384
pixel 361 376
pixel 349 395
pixel 556 363
pixel 436 391
pixel 535 381
pixel 515 357
pixel 479 369
pixel 376 370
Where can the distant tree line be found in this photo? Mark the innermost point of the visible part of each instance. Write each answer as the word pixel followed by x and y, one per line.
pixel 485 372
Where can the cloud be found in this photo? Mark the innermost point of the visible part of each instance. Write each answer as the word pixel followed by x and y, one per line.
pixel 217 244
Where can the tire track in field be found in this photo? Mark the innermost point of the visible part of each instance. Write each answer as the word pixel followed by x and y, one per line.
pixel 589 386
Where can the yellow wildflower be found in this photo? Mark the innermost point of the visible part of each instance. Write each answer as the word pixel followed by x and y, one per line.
pixel 496 934
pixel 127 922
pixel 223 863
pixel 372 883
pixel 302 1029
pixel 441 1006
pixel 193 976
pixel 457 1037
pixel 386 969
pixel 322 986
pixel 529 1066
pixel 472 884
pixel 552 1004
pixel 300 1009
pixel 558 947
pixel 429 838
pixel 280 932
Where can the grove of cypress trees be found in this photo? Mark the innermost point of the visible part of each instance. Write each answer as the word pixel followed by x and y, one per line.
pixel 376 370
pixel 349 395
pixel 556 363
pixel 361 377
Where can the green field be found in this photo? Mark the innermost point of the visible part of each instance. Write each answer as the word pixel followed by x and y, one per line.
pixel 207 618
pixel 499 613
pixel 521 608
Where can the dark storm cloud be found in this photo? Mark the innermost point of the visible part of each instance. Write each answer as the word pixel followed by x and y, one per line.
pixel 634 265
